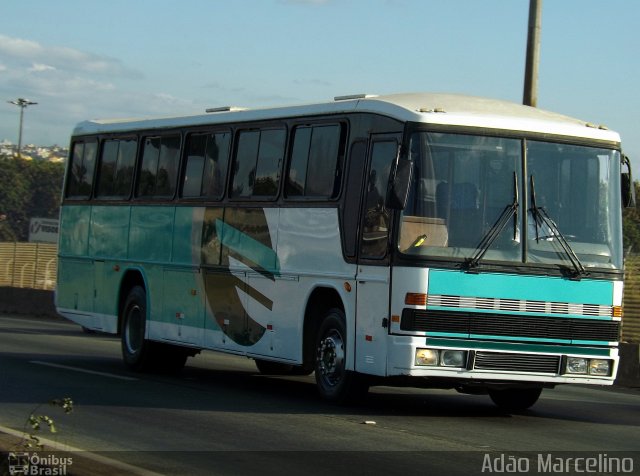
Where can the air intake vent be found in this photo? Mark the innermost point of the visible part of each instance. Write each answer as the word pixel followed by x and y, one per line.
pixel 349 97
pixel 225 109
pixel 508 362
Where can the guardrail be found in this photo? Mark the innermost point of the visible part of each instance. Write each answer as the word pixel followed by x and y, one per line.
pixel 28 265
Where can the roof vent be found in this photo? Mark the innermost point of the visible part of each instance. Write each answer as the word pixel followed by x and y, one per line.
pixel 225 109
pixel 348 97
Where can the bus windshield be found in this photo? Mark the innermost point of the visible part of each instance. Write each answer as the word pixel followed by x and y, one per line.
pixel 472 201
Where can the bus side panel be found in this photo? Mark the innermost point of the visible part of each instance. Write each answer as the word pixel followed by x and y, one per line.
pixel 372 319
pixel 74 231
pixel 108 246
pixel 246 238
pixel 183 287
pixel 264 279
pixel 151 242
pixel 310 256
pixel 74 294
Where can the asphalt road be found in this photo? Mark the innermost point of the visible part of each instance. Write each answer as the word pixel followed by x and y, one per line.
pixel 220 416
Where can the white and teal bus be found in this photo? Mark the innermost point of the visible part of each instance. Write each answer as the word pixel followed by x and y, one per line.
pixel 414 239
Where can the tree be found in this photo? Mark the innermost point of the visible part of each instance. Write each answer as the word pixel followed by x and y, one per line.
pixel 27 189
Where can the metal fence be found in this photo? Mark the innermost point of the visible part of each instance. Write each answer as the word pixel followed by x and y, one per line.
pixel 35 266
pixel 631 302
pixel 28 265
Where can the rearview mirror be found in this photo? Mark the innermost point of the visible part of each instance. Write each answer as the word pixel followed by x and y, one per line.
pixel 627 188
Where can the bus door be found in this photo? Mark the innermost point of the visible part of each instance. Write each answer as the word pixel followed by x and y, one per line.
pixel 373 278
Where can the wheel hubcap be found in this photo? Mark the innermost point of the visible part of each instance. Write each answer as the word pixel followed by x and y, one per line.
pixel 132 332
pixel 331 357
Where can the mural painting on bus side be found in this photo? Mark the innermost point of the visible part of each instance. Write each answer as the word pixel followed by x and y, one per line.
pixel 236 243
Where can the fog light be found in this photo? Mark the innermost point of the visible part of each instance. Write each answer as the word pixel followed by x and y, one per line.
pixel 577 365
pixel 453 358
pixel 599 367
pixel 426 357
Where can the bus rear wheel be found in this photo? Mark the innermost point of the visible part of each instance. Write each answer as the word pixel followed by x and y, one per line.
pixel 138 353
pixel 335 383
pixel 514 400
pixel 136 350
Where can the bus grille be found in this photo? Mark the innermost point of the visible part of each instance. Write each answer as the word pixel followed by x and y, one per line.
pixel 517 362
pixel 505 325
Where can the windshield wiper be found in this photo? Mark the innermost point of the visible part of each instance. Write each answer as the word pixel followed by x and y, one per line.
pixel 492 235
pixel 541 218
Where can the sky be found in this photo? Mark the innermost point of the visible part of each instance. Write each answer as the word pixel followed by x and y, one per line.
pixel 133 58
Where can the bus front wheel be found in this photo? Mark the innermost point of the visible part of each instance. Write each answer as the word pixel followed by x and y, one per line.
pixel 335 383
pixel 515 400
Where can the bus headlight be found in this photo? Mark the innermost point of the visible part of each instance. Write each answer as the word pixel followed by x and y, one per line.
pixel 577 365
pixel 426 357
pixel 580 365
pixel 599 367
pixel 453 358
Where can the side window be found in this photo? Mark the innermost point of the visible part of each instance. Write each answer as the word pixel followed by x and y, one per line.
pixel 375 226
pixel 159 168
pixel 257 163
pixel 206 168
pixel 115 169
pixel 313 170
pixel 80 170
pixel 126 164
pixel 270 157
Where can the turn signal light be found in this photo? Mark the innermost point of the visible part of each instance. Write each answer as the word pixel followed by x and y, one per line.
pixel 415 299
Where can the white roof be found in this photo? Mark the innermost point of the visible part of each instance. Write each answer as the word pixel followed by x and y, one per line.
pixel 442 109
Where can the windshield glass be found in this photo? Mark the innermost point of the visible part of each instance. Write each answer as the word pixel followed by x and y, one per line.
pixel 467 201
pixel 578 189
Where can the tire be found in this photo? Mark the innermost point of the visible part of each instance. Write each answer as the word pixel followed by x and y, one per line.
pixel 515 400
pixel 140 354
pixel 334 382
pixel 136 350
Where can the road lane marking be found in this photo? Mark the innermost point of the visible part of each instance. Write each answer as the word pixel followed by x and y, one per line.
pixel 86 371
pixel 113 463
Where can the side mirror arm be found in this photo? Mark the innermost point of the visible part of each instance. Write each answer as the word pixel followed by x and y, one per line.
pixel 627 188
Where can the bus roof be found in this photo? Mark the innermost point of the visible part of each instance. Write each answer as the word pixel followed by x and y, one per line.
pixel 428 108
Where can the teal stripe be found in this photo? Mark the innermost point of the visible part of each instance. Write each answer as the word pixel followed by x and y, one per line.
pixel 550 349
pixel 523 339
pixel 449 334
pixel 247 247
pixel 510 286
pixel 459 335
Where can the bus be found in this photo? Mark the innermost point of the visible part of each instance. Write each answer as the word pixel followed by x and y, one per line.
pixel 432 240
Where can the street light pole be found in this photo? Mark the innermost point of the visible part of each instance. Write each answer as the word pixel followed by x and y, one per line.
pixel 22 104
pixel 530 96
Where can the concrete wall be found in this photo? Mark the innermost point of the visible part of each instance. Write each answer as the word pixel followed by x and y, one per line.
pixel 34 302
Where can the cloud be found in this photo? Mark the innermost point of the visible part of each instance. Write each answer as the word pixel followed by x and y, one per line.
pixel 312 82
pixel 70 86
pixel 23 52
pixel 39 68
